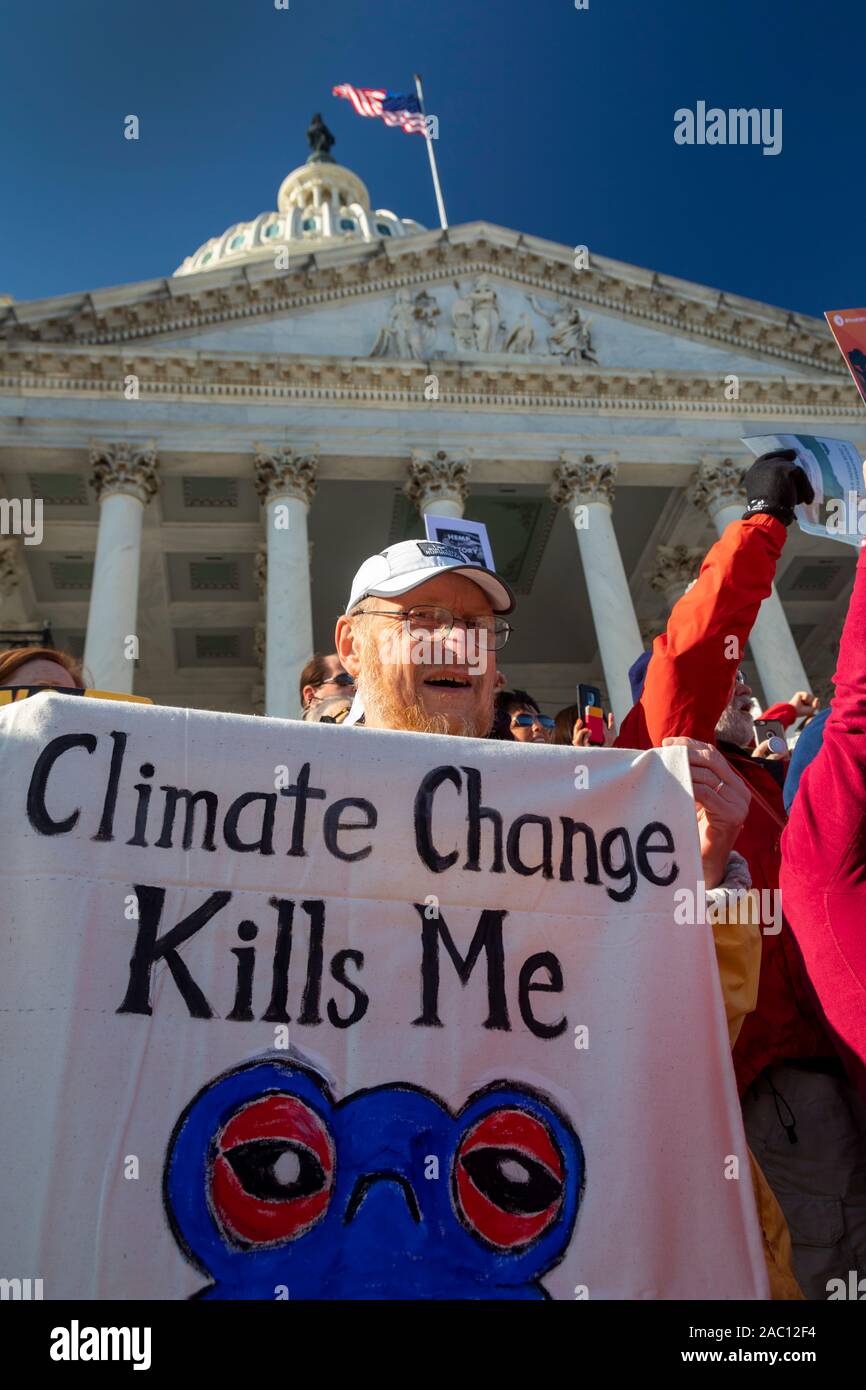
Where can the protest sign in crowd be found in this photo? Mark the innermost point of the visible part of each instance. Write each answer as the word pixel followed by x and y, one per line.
pixel 399 1006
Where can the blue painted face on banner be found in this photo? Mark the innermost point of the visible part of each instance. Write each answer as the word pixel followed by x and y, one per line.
pixel 275 1190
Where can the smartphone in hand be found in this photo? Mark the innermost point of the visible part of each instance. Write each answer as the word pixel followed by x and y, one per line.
pixel 771 729
pixel 589 704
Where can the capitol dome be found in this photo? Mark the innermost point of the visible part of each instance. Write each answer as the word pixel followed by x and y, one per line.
pixel 319 205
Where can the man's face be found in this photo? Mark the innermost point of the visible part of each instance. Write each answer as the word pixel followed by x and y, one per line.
pixel 446 687
pixel 736 724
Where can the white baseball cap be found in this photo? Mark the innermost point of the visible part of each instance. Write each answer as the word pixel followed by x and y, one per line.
pixel 401 567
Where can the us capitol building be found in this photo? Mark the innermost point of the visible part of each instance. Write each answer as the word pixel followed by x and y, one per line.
pixel 217 450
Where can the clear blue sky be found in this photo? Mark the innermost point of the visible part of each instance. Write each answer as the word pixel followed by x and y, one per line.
pixel 553 121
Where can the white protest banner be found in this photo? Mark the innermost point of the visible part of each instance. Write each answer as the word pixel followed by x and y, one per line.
pixel 300 1011
pixel 834 469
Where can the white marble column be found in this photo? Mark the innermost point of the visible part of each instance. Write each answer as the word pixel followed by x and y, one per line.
pixel 124 478
pixel 437 483
pixel 585 486
pixel 364 221
pixel 286 483
pixel 718 488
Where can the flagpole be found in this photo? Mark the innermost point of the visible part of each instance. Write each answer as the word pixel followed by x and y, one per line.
pixel 433 169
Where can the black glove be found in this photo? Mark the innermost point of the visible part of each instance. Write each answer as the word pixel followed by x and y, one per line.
pixel 776 484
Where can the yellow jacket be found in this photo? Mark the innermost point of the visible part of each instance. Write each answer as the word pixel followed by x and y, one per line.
pixel 737 936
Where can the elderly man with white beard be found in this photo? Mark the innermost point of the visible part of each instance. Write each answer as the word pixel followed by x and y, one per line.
pixel 736 725
pixel 420 636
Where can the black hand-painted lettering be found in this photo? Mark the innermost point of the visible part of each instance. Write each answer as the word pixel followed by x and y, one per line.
pixel 424 818
pixel 487 938
pixel 37 812
pixel 149 948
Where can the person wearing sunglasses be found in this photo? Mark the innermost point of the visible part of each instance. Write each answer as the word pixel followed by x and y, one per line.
pixel 322 678
pixel 518 718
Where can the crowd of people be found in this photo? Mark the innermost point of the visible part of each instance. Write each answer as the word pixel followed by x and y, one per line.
pixel 417 649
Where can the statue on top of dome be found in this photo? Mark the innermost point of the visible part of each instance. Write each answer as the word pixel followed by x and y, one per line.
pixel 320 140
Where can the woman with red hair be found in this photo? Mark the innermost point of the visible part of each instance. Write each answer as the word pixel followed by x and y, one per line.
pixel 40 666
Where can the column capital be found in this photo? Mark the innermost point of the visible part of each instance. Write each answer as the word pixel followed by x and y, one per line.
pixel 124 468
pixel 435 477
pixel 718 483
pixel 674 569
pixel 282 472
pixel 11 565
pixel 579 479
pixel 650 629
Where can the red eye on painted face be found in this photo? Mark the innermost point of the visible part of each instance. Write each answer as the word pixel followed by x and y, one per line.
pixel 508 1179
pixel 273 1173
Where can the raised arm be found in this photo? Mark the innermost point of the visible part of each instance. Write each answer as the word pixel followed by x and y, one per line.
pixel 694 661
pixel 691 674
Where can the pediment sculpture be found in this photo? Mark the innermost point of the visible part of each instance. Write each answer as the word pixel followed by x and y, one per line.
pixel 570 337
pixel 409 326
pixel 478 326
pixel 476 319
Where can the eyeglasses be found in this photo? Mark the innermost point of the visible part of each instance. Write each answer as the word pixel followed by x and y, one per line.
pixel 342 678
pixel 438 623
pixel 526 721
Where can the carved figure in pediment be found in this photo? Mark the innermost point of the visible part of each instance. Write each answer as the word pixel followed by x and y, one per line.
pixel 407 328
pixel 427 310
pixel 476 320
pixel 486 318
pixel 571 337
pixel 522 336
pixel 462 325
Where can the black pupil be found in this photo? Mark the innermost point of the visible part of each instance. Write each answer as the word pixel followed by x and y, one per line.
pixel 261 1173
pixel 530 1189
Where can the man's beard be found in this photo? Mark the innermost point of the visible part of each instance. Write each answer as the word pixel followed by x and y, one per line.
pixel 387 710
pixel 736 726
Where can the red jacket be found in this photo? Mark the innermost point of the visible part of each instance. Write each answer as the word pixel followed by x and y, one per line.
pixel 688 684
pixel 824 849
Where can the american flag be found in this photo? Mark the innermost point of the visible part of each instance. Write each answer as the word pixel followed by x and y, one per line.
pixel 394 109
